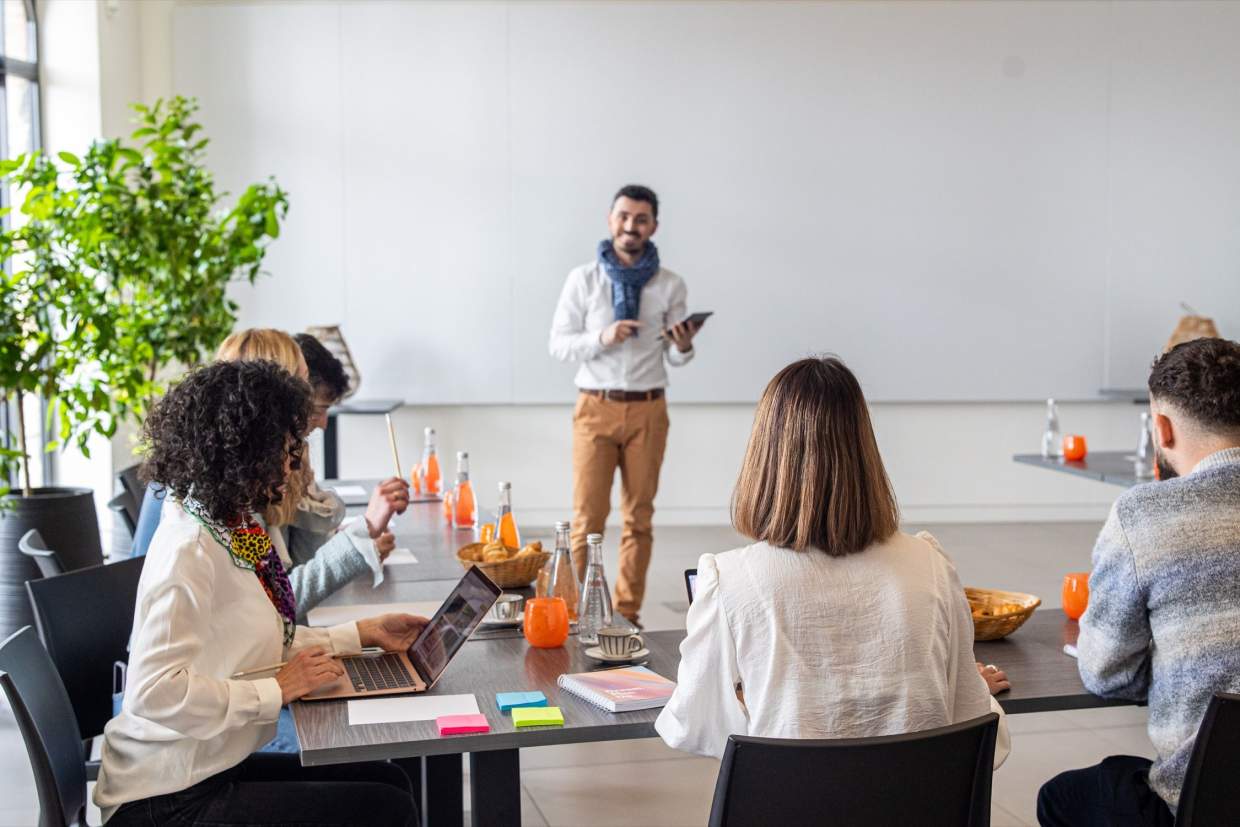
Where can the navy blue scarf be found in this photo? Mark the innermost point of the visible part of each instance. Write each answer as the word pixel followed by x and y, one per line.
pixel 627 282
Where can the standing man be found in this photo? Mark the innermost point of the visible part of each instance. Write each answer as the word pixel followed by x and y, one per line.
pixel 620 316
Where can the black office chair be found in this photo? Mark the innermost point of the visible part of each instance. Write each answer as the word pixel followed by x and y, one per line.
pixel 937 777
pixel 1207 796
pixel 45 720
pixel 84 619
pixel 128 502
pixel 32 545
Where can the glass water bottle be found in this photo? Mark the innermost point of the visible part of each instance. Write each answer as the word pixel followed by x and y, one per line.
pixel 506 524
pixel 1144 464
pixel 557 578
pixel 1052 442
pixel 432 481
pixel 464 508
pixel 595 610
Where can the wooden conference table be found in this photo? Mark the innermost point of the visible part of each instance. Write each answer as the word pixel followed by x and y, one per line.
pixel 1043 679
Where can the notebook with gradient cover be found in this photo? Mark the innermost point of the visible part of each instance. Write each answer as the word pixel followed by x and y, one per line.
pixel 620 690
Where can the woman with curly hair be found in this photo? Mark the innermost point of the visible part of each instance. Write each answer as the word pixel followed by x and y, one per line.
pixel 214 601
pixel 323 553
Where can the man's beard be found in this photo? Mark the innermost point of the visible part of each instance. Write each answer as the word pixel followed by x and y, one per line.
pixel 1165 471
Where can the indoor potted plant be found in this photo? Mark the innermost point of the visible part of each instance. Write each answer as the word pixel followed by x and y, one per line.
pixel 117 265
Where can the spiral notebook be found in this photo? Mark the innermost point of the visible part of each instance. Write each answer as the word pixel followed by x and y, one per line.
pixel 620 690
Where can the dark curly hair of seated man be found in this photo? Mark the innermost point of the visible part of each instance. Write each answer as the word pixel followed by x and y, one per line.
pixel 222 435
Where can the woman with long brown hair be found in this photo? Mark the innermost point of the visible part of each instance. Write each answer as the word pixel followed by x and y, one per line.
pixel 834 623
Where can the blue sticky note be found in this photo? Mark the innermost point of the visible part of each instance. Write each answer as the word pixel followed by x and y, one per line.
pixel 513 700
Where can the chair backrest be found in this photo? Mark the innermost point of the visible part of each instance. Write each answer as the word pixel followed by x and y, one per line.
pixel 1207 796
pixel 148 518
pixel 32 545
pixel 45 720
pixel 131 485
pixel 937 777
pixel 84 619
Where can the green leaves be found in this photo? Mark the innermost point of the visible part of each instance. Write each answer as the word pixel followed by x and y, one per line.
pixel 119 267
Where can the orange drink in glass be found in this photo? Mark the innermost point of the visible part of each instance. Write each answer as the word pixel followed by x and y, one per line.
pixel 1074 447
pixel 1075 594
pixel 546 622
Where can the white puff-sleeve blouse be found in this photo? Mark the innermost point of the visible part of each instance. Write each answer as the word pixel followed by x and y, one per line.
pixel 875 643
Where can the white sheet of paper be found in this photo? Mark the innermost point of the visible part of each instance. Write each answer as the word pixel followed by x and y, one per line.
pixel 410 708
pixel 343 491
pixel 333 615
pixel 400 557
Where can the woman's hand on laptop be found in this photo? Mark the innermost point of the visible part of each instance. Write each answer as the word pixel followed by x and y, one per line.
pixel 392 632
pixel 306 671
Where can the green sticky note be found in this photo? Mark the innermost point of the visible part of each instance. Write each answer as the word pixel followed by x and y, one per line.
pixel 537 716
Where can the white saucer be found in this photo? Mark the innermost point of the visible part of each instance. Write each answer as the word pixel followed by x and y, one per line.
pixel 596 652
pixel 490 621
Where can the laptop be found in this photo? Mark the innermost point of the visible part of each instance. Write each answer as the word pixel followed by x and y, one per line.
pixel 421 665
pixel 691 583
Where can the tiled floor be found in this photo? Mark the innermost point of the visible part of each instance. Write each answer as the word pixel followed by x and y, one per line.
pixel 643 782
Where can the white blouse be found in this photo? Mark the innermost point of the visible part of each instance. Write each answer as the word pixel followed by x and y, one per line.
pixel 199 620
pixel 875 643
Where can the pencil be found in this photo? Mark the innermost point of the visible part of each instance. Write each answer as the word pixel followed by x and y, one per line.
pixel 392 440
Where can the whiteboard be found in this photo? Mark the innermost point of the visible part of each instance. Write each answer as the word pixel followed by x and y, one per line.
pixel 966 201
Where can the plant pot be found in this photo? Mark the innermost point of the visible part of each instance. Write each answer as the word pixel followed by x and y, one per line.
pixel 66 519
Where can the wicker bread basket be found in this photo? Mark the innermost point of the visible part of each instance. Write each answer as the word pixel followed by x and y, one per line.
pixel 513 573
pixel 996 614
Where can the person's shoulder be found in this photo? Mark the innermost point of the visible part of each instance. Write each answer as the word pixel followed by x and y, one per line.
pixel 585 273
pixel 181 543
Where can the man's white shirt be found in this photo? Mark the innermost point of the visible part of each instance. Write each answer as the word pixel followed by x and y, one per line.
pixel 637 364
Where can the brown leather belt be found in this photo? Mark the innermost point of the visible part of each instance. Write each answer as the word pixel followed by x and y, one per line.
pixel 625 396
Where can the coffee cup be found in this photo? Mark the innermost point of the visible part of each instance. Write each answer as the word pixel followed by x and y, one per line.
pixel 619 641
pixel 507 608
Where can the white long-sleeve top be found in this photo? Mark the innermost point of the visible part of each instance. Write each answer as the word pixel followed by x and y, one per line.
pixel 637 364
pixel 199 620
pixel 875 643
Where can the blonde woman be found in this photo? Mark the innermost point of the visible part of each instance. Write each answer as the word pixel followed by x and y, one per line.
pixel 833 624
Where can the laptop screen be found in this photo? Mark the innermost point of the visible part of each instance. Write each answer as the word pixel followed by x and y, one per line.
pixel 452 625
pixel 691 583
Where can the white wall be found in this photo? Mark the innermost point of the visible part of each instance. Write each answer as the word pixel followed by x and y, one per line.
pixel 947 461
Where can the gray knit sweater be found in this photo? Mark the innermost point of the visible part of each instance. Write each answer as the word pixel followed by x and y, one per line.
pixel 1163 622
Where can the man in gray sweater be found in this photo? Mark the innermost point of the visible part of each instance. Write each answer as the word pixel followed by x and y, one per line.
pixel 1163 623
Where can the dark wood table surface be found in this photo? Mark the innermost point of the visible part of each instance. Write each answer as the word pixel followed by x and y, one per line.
pixel 1112 467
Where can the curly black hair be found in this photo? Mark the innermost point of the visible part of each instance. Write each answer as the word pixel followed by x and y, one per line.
pixel 223 433
pixel 1201 379
pixel 325 369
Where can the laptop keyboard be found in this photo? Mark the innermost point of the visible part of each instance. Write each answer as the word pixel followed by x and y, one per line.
pixel 381 672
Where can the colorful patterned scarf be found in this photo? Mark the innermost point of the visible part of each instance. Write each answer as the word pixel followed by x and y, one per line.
pixel 251 549
pixel 627 282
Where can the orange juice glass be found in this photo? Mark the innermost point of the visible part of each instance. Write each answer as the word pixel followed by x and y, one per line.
pixel 1075 594
pixel 546 622
pixel 1074 447
pixel 447 506
pixel 487 533
pixel 415 479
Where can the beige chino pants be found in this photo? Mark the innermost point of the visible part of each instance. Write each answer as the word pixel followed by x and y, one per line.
pixel 630 436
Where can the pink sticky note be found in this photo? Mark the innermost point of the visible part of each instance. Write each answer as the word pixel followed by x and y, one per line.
pixel 460 724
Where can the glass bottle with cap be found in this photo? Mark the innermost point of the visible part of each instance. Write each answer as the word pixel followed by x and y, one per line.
pixel 506 524
pixel 595 610
pixel 557 578
pixel 1052 443
pixel 432 482
pixel 464 509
